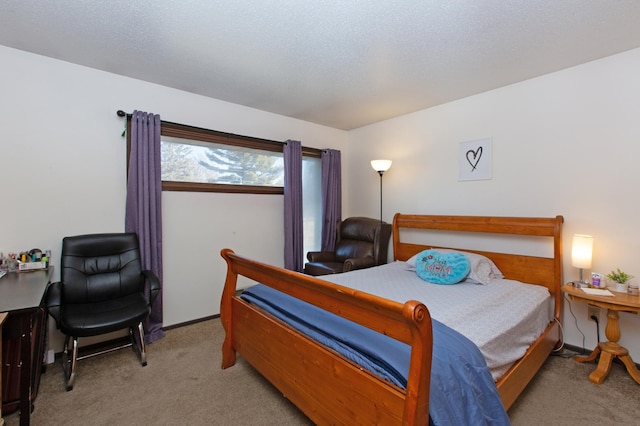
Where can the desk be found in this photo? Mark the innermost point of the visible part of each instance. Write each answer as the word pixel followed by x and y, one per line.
pixel 21 296
pixel 3 316
pixel 611 349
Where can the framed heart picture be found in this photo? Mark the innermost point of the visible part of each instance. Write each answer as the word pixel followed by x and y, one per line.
pixel 475 159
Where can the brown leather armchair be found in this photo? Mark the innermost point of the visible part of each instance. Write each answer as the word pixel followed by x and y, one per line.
pixel 361 242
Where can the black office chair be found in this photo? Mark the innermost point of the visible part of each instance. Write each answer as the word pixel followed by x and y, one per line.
pixel 101 290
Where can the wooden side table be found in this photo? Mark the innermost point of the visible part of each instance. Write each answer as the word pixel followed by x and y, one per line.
pixel 610 349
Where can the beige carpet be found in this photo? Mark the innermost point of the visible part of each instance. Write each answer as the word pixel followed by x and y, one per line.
pixel 183 384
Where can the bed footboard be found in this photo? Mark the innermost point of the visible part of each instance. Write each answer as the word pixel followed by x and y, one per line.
pixel 327 387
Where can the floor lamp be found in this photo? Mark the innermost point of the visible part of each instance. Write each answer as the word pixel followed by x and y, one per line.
pixel 380 166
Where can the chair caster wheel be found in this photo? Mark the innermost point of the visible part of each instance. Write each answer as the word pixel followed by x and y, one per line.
pixel 69 388
pixel 144 364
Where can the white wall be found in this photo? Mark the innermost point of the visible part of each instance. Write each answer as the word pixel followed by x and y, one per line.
pixel 566 143
pixel 62 172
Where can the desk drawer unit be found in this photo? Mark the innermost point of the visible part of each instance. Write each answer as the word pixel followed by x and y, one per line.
pixel 11 355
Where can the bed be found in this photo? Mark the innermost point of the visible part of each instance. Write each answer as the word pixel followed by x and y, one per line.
pixel 331 388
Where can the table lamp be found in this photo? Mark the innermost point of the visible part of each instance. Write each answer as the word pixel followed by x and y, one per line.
pixel 581 253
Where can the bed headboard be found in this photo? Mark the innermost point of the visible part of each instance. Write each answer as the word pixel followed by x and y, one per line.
pixel 545 271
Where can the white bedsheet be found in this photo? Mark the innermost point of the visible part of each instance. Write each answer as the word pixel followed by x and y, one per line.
pixel 503 318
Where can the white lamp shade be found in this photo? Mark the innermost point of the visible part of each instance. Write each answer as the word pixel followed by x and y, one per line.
pixel 581 251
pixel 380 165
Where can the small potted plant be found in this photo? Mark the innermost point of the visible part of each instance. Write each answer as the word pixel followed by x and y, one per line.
pixel 620 279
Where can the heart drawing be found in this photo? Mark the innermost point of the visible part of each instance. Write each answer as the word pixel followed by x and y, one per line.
pixel 473 157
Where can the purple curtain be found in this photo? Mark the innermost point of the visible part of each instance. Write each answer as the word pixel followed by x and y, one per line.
pixel 293 238
pixel 144 212
pixel 331 197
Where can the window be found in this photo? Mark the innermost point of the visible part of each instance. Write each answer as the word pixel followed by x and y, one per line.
pixel 311 204
pixel 201 160
pixel 185 160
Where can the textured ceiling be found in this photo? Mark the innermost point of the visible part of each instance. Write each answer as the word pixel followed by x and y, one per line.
pixel 340 63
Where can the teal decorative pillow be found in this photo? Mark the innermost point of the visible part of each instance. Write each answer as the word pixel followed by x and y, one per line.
pixel 442 268
pixel 483 270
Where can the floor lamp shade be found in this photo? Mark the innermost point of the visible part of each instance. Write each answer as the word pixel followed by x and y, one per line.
pixel 380 165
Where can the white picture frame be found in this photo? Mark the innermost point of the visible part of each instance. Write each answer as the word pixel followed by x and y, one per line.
pixel 475 160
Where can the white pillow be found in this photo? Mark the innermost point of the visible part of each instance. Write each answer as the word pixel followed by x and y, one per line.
pixel 483 269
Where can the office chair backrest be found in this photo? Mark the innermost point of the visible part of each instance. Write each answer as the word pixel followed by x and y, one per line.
pixel 99 267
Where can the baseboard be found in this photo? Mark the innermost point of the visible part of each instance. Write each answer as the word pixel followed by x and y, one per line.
pixel 113 343
pixel 577 349
pixel 581 351
pixel 195 321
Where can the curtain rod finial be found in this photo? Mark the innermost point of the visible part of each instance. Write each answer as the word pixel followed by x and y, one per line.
pixel 121 113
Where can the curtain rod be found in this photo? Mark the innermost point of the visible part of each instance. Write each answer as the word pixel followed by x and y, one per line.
pixel 312 151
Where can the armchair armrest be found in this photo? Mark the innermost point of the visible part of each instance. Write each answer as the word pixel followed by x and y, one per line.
pixel 359 263
pixel 321 256
pixel 53 300
pixel 154 285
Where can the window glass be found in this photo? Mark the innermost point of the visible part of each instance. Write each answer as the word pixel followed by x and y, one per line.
pixel 185 160
pixel 311 203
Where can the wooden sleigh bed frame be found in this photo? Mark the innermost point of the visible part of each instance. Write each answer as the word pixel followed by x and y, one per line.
pixel 329 388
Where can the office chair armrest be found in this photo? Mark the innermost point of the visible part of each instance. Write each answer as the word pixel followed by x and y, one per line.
pixel 53 300
pixel 359 263
pixel 321 256
pixel 154 285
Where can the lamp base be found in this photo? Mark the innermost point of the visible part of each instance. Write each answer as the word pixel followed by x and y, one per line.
pixel 580 284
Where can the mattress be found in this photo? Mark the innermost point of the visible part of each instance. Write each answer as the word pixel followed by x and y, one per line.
pixel 502 317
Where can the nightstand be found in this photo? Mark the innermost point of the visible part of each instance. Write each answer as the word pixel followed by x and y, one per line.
pixel 611 349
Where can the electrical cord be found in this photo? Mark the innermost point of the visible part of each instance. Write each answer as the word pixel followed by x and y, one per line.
pixel 584 351
pixel 561 348
pixel 561 351
pixel 595 318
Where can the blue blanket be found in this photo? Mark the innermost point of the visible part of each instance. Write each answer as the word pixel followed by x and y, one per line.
pixel 462 389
